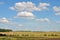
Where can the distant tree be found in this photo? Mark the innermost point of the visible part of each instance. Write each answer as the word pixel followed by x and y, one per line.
pixel 5 30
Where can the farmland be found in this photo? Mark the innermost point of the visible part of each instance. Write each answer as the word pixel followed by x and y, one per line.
pixel 30 36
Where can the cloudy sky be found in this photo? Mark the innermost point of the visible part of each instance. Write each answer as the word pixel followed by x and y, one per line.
pixel 30 15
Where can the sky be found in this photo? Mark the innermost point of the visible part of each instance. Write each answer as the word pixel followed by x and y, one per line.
pixel 30 15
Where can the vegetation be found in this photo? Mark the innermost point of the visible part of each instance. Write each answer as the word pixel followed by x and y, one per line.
pixel 23 35
pixel 5 30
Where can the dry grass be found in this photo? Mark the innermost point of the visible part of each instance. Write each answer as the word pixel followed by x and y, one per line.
pixel 34 34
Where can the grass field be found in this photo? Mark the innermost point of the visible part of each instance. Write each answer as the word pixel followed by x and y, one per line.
pixel 30 36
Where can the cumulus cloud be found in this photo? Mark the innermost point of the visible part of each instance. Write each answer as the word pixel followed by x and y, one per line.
pixel 44 6
pixel 43 20
pixel 25 6
pixel 12 8
pixel 25 9
pixel 29 6
pixel 57 10
pixel 25 14
pixel 9 22
pixel 4 20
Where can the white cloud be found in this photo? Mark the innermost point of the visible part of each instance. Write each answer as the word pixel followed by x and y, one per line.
pixel 44 6
pixel 29 6
pixel 43 20
pixel 25 6
pixel 12 8
pixel 4 20
pixel 9 22
pixel 25 9
pixel 57 10
pixel 25 14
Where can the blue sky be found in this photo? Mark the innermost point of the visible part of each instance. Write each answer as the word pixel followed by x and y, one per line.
pixel 34 15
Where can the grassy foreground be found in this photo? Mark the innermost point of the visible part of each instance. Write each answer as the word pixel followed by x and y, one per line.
pixel 30 36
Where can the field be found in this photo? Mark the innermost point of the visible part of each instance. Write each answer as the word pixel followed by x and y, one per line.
pixel 30 36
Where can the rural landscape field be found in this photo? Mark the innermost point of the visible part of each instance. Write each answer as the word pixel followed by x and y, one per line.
pixel 26 35
pixel 29 19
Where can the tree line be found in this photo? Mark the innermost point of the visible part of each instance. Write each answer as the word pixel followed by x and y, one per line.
pixel 5 30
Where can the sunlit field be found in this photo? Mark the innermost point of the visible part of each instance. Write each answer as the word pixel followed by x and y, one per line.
pixel 29 19
pixel 30 35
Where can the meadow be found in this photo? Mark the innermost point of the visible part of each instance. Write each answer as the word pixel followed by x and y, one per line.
pixel 30 35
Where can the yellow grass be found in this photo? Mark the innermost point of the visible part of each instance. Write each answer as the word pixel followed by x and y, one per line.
pixel 34 34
